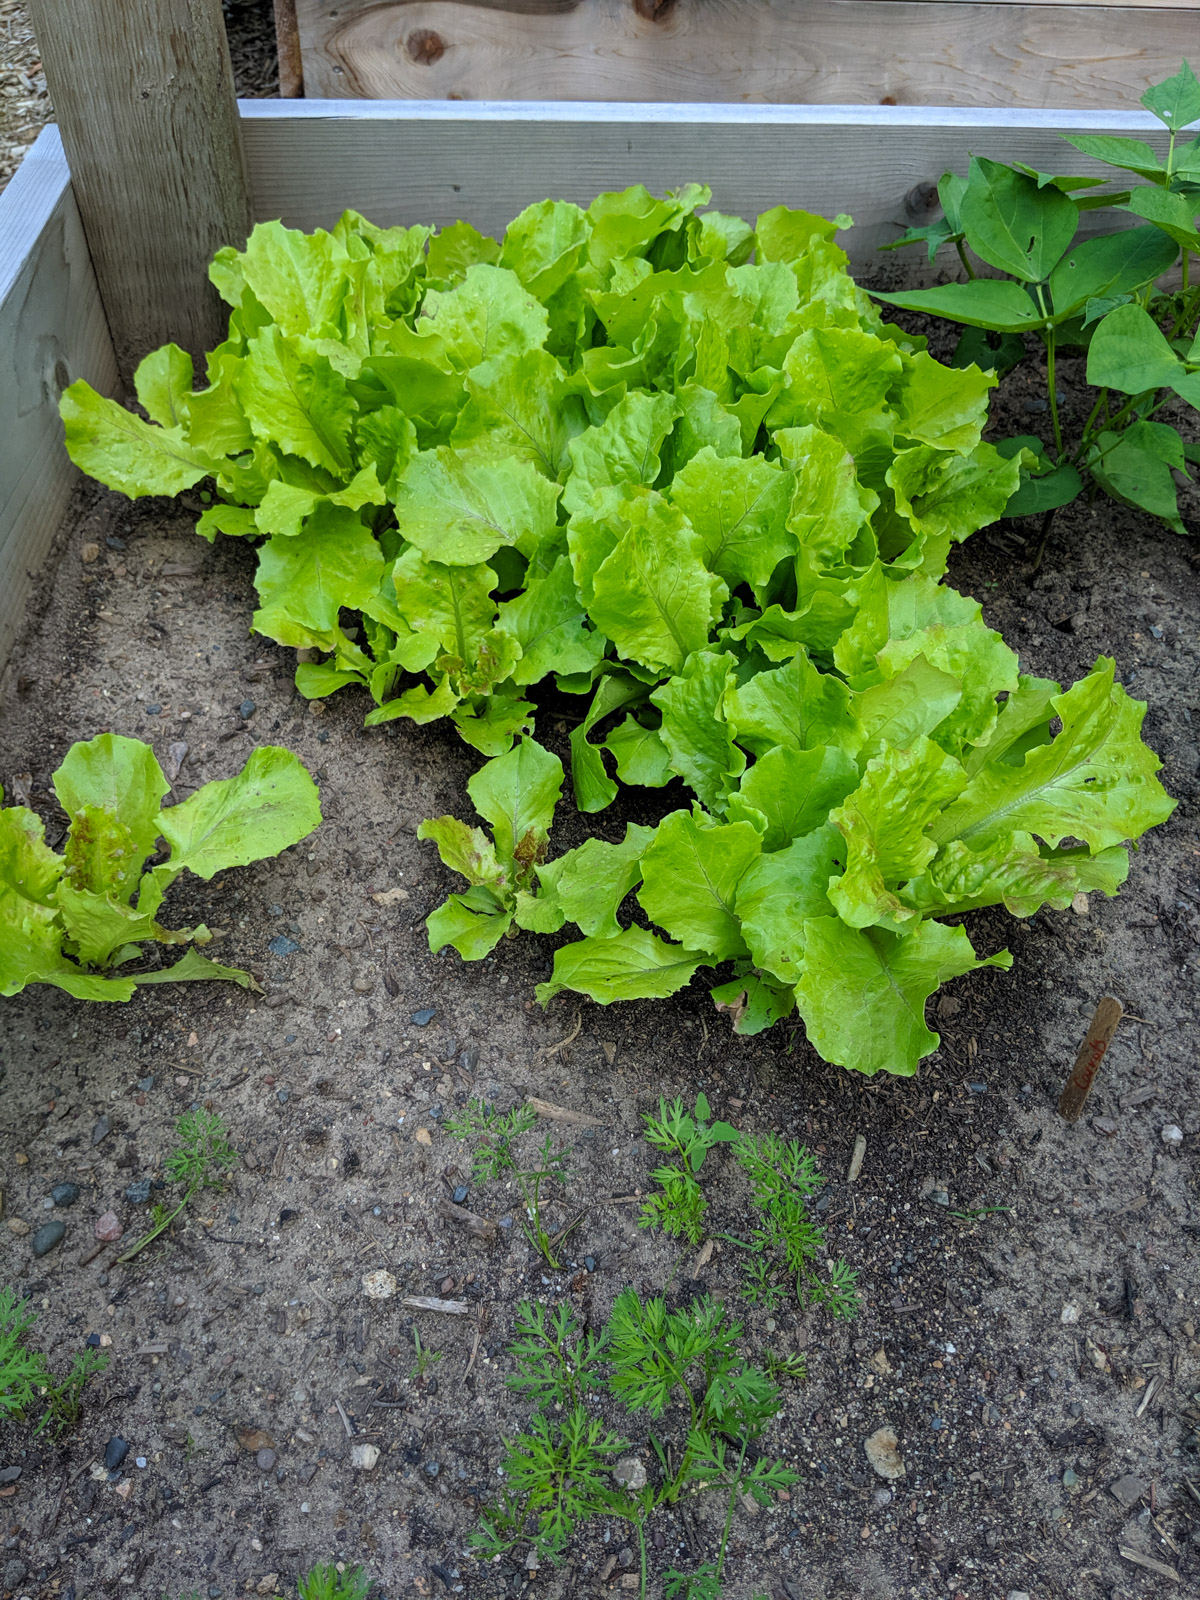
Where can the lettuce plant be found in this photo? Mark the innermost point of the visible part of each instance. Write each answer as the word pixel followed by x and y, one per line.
pixel 679 466
pixel 473 465
pixel 1103 294
pixel 78 919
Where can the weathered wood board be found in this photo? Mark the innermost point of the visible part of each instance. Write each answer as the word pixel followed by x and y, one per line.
pixel 811 52
pixel 439 161
pixel 52 331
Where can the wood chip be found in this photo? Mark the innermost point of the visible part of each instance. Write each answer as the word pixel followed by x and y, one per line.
pixel 481 1227
pixel 1091 1053
pixel 1148 1562
pixel 151 1350
pixel 856 1160
pixel 427 1302
pixel 703 1257
pixel 546 1108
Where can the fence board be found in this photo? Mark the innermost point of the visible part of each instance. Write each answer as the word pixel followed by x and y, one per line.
pixel 52 330
pixel 907 52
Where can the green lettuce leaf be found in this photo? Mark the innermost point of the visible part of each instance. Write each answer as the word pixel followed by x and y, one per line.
pixel 632 965
pixel 862 993
pixel 690 874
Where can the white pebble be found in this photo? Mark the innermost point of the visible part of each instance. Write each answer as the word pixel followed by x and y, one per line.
pixel 364 1456
pixel 379 1285
pixel 1172 1134
pixel 1070 1313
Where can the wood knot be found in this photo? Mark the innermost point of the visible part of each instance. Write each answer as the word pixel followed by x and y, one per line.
pixel 654 10
pixel 921 201
pixel 425 46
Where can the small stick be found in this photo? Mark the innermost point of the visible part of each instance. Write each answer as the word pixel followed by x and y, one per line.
pixel 1146 1399
pixel 552 1049
pixel 546 1108
pixel 481 1227
pixel 346 1423
pixel 1091 1053
pixel 856 1160
pixel 1148 1562
pixel 426 1302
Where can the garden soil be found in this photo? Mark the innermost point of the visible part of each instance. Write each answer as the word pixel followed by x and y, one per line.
pixel 1030 1296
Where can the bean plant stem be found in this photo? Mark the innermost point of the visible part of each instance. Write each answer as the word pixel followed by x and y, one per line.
pixel 962 256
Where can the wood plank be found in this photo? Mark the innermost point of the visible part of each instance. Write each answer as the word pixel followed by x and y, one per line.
pixel 410 161
pixel 906 52
pixel 52 331
pixel 143 92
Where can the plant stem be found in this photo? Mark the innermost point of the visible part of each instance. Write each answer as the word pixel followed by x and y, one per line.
pixel 640 1525
pixel 737 1478
pixel 962 256
pixel 159 1228
pixel 1085 439
pixel 1050 350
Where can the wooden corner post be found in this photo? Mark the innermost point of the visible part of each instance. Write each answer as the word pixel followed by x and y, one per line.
pixel 143 95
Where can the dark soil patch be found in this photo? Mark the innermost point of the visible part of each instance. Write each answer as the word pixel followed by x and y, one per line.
pixel 1013 1419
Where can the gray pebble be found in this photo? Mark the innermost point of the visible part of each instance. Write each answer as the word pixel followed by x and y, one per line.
pixel 9 1474
pixel 47 1236
pixel 939 1197
pixel 138 1194
pixel 145 1084
pixel 281 945
pixel 102 1129
pixel 14 1573
pixel 115 1452
pixel 433 1468
pixel 1127 1490
pixel 422 1019
pixel 247 709
pixel 460 1194
pixel 283 1096
pixel 265 1460
pixel 65 1194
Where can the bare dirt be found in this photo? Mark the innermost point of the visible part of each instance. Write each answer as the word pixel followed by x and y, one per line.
pixel 1027 1357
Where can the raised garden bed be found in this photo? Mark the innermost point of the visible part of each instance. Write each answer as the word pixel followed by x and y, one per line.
pixel 1029 1288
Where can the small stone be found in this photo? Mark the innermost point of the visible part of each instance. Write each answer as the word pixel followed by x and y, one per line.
pixel 247 709
pixel 15 1570
pixel 283 1096
pixel 1070 1478
pixel 1069 1313
pixel 9 1474
pixel 1017 1594
pixel 47 1236
pixel 379 1285
pixel 630 1473
pixel 65 1194
pixel 422 1019
pixel 115 1452
pixel 138 1194
pixel 590 1263
pixel 108 1227
pixel 940 1197
pixel 102 1129
pixel 146 1084
pixel 87 554
pixel 460 1194
pixel 363 986
pixel 281 945
pixel 364 1456
pixel 154 709
pixel 19 1226
pixel 265 1460
pixel 1172 1135
pixel 882 1497
pixel 883 1452
pixel 432 1468
pixel 1127 1490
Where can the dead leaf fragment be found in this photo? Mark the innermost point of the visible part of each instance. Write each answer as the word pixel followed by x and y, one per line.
pixel 423 1136
pixel 390 897
pixel 883 1452
pixel 254 1439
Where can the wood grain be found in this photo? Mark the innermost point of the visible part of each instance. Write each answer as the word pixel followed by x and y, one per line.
pixel 1092 1051
pixel 143 93
pixel 287 44
pixel 415 162
pixel 831 52
pixel 52 331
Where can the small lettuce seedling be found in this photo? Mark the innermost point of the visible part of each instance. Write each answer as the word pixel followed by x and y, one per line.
pixel 71 920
